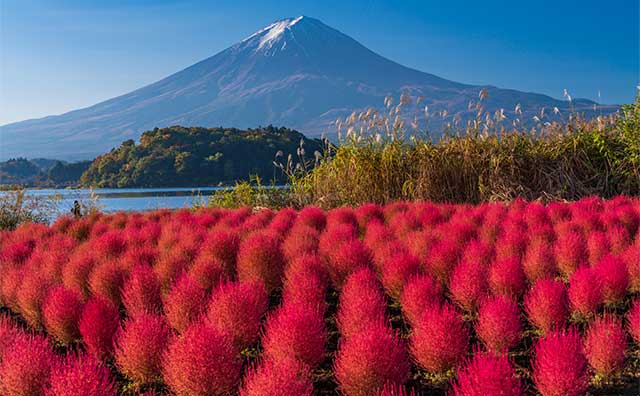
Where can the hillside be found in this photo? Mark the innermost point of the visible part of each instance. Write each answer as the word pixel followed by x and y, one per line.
pixel 179 157
pixel 41 172
pixel 296 72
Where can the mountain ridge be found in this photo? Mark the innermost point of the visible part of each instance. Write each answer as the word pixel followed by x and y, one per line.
pixel 296 72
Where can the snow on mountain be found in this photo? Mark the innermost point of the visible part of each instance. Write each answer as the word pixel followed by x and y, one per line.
pixel 296 72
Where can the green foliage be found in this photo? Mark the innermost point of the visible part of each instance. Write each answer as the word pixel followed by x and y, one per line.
pixel 41 172
pixel 252 193
pixel 178 156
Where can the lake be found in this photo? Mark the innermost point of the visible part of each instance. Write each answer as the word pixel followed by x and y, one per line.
pixel 130 199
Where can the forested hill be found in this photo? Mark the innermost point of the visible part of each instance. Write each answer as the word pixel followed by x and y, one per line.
pixel 182 157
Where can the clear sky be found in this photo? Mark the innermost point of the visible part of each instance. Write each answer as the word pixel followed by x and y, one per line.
pixel 61 55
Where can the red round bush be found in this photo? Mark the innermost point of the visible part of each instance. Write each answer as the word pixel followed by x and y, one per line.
pixel 61 313
pixel 440 339
pixel 361 303
pixel 141 292
pixel 98 326
pixel 631 257
pixel 31 295
pixel 260 259
pixel 539 261
pixel 140 346
pixel 107 280
pixel 546 305
pixel 201 362
pixel 615 279
pixel 499 326
pixel 559 365
pixel 184 303
pixel 221 246
pixel 26 366
pixel 397 271
pixel 81 376
pixel 312 216
pixel 585 292
pixel 570 252
pixel 421 291
pixel 236 309
pixel 295 331
pixel 368 360
pixel 443 258
pixel 605 345
pixel 286 377
pixel 8 333
pixel 300 241
pixel 597 247
pixel 506 278
pixel 487 375
pixel 633 321
pixel 395 390
pixel 346 258
pixel 76 272
pixel 468 285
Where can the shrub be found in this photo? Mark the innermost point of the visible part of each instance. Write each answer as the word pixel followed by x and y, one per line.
pixel 570 252
pixel 440 339
pixel 605 345
pixel 468 285
pixel 26 366
pixel 140 346
pixel 61 313
pixel 368 360
pixel 345 258
pixel 201 362
pixel 75 274
pixel 361 303
pixel 285 377
pixel 312 216
pixel 207 274
pixel 559 365
pixel 615 279
pixel 506 278
pixel 546 305
pixel 170 266
pixel 301 240
pixel 499 326
pixel 631 257
pixel 421 291
pixel 487 375
pixel 236 310
pixel 539 260
pixel 31 295
pixel 395 390
pixel 107 280
pixel 221 246
pixel 443 258
pixel 597 247
pixel 184 303
pixel 295 331
pixel 633 321
pixel 397 271
pixel 98 326
pixel 141 292
pixel 260 259
pixel 585 292
pixel 306 283
pixel 81 376
pixel 8 333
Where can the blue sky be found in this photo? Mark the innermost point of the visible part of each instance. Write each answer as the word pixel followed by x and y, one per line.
pixel 57 56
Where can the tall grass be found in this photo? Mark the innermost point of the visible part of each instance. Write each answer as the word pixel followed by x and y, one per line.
pixel 377 161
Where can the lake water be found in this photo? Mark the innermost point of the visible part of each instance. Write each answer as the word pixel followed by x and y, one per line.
pixel 131 199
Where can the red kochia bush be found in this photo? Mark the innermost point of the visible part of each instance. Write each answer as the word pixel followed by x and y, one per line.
pixel 306 282
pixel 440 339
pixel 420 292
pixel 506 278
pixel 443 258
pixel 260 259
pixel 633 321
pixel 184 303
pixel 361 303
pixel 546 305
pixel 107 280
pixel 559 365
pixel 236 310
pixel 287 377
pixel 345 258
pixel 499 325
pixel 468 285
pixel 615 279
pixel 312 216
pixel 140 346
pixel 201 362
pixel 81 376
pixel 397 271
pixel 31 295
pixel 631 257
pixel 487 375
pixel 98 325
pixel 61 313
pixel 539 260
pixel 368 360
pixel 295 330
pixel 8 332
pixel 76 272
pixel 26 366
pixel 570 251
pixel 585 292
pixel 597 247
pixel 222 247
pixel 141 292
pixel 395 390
pixel 605 345
pixel 301 240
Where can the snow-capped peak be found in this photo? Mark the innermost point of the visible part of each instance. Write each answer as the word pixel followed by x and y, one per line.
pixel 270 34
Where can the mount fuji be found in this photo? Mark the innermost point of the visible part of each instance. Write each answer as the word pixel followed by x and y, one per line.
pixel 296 72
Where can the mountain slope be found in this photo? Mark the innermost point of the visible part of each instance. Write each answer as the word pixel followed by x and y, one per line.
pixel 297 72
